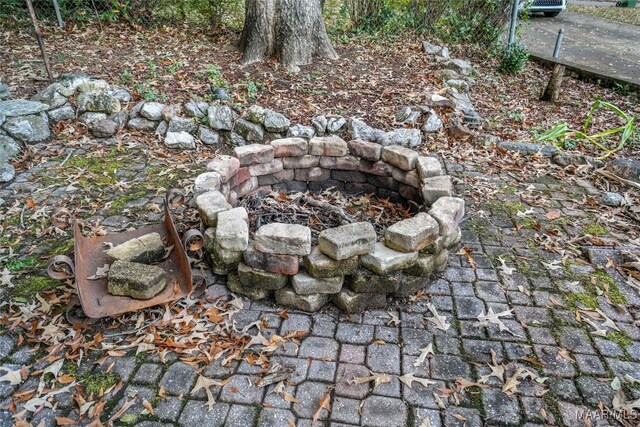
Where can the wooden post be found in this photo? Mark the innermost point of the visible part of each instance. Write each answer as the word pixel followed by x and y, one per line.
pixel 36 29
pixel 552 91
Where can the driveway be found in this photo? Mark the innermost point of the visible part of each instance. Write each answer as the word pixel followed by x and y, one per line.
pixel 593 44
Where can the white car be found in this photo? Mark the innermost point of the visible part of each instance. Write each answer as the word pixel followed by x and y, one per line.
pixel 550 8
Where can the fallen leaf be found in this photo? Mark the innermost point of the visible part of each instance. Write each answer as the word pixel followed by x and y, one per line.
pixel 551 215
pixel 325 403
pixel 439 321
pixel 424 353
pixel 409 379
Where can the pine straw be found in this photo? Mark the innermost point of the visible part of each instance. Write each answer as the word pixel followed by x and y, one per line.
pixel 322 211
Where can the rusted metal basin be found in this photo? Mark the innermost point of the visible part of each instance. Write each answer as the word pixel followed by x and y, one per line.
pixel 90 255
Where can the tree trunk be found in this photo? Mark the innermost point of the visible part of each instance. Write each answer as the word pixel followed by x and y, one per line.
pixel 552 91
pixel 291 30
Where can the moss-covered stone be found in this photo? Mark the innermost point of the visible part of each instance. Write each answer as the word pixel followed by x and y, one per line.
pixel 367 281
pixel 30 285
pixel 235 285
pixel 409 285
pixel 321 266
pixel 253 277
pixel 352 302
pixel 311 303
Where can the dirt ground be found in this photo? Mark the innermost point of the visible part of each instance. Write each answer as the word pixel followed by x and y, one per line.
pixel 370 80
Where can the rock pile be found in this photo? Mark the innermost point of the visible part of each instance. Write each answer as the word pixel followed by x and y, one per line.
pixel 348 265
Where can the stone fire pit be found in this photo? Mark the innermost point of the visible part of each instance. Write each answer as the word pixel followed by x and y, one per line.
pixel 348 265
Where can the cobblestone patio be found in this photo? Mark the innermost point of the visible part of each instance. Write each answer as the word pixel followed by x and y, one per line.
pixel 504 234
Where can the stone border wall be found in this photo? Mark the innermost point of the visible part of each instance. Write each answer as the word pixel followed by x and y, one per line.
pixel 348 266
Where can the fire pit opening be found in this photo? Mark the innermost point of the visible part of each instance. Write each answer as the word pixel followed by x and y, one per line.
pixel 312 221
pixel 323 210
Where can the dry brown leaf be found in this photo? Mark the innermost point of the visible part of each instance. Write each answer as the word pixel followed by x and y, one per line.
pixel 325 403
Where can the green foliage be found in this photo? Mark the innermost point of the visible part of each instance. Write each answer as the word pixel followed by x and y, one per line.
pixel 253 89
pixel 628 133
pixel 214 74
pixel 513 58
pixel 126 77
pixel 19 264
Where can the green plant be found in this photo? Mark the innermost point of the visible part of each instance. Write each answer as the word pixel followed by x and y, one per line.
pixel 513 58
pixel 253 89
pixel 214 74
pixel 629 133
pixel 175 66
pixel 126 77
pixel 153 68
pixel 146 92
pixel 117 10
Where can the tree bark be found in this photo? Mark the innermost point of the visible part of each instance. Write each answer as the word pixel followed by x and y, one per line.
pixel 291 30
pixel 552 91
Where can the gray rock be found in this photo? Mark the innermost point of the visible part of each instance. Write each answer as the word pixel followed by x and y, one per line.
pixel 135 111
pixel 250 131
pixel 182 124
pixel 152 111
pixel 28 129
pixel 612 199
pixel 348 240
pixel 300 131
pixel 171 111
pixel 51 96
pixel 220 117
pixel 5 93
pixel 207 181
pixel 9 148
pixel 180 140
pixel 460 66
pixel 485 139
pixel 140 123
pixel 358 129
pixel 446 74
pixel 197 109
pixel 161 130
pixel 63 113
pixel 7 172
pixel 139 281
pixel 319 123
pixel 430 48
pixel 98 102
pixel 433 123
pixel 119 118
pixel 335 124
pixel 256 114
pixel 104 128
pixel 275 122
pixel 90 118
pixel 403 137
pixel 70 82
pixel 460 85
pixel 402 114
pixel 93 86
pixel 528 148
pixel 208 136
pixel 310 303
pixel 145 249
pixel 121 94
pixel 21 107
pixel 625 168
pixel 462 100
pixel 235 140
